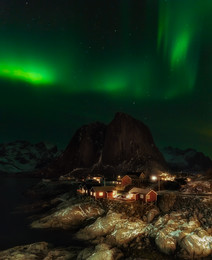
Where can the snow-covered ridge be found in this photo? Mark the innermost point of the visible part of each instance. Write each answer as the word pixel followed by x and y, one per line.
pixel 22 156
pixel 188 159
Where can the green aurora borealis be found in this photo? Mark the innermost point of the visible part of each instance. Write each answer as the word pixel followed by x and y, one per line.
pixel 68 63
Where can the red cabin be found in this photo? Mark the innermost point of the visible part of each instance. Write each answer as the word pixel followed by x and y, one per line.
pixel 103 192
pixel 133 179
pixel 146 195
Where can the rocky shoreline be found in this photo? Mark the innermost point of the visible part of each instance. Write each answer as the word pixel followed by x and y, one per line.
pixel 177 227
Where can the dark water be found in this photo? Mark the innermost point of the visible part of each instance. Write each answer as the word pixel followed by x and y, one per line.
pixel 14 225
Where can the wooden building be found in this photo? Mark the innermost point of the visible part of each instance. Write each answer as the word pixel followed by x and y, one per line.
pixel 106 192
pixel 111 181
pixel 98 178
pixel 146 195
pixel 85 188
pixel 135 178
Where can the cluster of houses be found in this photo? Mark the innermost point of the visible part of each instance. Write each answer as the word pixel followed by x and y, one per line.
pixel 99 187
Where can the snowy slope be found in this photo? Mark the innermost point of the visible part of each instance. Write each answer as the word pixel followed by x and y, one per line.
pixel 189 159
pixel 22 156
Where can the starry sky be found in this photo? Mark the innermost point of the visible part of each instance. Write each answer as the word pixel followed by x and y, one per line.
pixel 66 63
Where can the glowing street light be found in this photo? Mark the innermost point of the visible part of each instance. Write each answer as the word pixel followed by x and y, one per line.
pixel 154 178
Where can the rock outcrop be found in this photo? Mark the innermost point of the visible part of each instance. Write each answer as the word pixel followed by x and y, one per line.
pixel 36 251
pixel 101 251
pixel 173 233
pixel 126 144
pixel 83 150
pixel 69 217
pixel 117 229
pixel 174 230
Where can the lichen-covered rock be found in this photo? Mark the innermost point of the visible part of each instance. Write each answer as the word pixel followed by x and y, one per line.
pixel 152 214
pixel 118 228
pixel 126 231
pixel 166 201
pixel 28 252
pixel 172 230
pixel 101 227
pixel 102 251
pixel 37 251
pixel 59 254
pixel 197 244
pixel 69 217
pixel 165 242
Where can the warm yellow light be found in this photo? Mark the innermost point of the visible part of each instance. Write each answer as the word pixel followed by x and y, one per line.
pixel 114 193
pixel 154 178
pixel 129 196
pixel 100 194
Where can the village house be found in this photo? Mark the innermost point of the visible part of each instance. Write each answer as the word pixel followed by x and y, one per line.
pixel 132 179
pixel 85 188
pixel 111 181
pixel 145 195
pixel 98 178
pixel 106 192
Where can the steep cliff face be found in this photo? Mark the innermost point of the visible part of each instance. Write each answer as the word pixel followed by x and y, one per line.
pixel 128 139
pixel 84 148
pixel 126 144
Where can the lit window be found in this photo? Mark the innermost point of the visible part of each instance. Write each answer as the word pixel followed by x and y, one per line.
pixel 100 194
pixel 148 196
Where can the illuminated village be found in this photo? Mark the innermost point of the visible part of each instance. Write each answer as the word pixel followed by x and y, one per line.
pixel 121 200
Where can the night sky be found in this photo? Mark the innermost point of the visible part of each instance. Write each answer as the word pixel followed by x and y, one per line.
pixel 67 63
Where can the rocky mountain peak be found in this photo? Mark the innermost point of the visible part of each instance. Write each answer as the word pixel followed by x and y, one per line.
pixel 126 144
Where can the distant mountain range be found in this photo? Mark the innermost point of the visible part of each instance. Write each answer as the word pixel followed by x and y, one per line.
pixel 22 156
pixel 124 145
pixel 186 160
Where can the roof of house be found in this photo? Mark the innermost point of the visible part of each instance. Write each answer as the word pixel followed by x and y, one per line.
pixel 103 188
pixel 140 190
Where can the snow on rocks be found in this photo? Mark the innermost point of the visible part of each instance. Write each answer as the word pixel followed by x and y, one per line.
pixel 101 227
pixel 197 243
pixel 173 233
pixel 22 156
pixel 102 251
pixel 118 228
pixel 172 230
pixel 40 250
pixel 69 217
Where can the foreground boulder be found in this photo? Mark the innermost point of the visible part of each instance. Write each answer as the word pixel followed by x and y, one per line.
pixel 69 217
pixel 102 251
pixel 173 230
pixel 36 251
pixel 101 227
pixel 116 228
